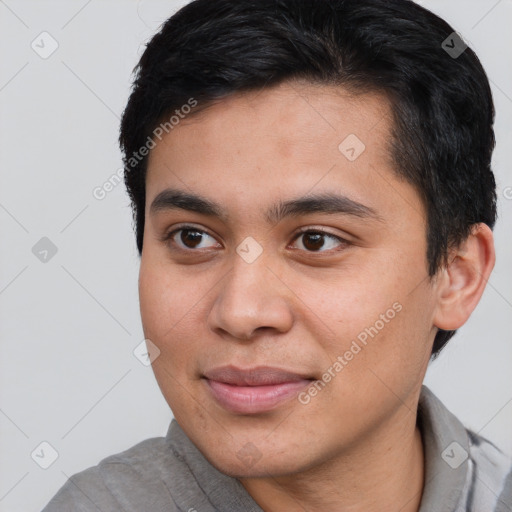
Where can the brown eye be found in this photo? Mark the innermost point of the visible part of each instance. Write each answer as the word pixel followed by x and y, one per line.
pixel 189 238
pixel 314 240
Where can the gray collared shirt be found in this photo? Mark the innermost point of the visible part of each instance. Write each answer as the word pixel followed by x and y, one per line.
pixel 464 472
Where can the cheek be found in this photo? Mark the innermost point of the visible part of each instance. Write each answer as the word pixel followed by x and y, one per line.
pixel 355 300
pixel 167 309
pixel 172 305
pixel 381 316
pixel 167 300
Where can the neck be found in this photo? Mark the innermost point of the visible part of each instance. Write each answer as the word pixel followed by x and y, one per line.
pixel 384 472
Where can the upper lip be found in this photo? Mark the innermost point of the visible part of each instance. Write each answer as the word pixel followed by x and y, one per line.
pixel 256 376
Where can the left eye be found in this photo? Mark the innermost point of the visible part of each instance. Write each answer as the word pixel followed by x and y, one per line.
pixel 314 240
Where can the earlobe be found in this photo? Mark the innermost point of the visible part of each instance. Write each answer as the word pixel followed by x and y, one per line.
pixel 463 280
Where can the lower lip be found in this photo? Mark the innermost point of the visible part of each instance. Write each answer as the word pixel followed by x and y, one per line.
pixel 254 399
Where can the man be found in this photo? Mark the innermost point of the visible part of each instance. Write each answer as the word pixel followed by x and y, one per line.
pixel 313 199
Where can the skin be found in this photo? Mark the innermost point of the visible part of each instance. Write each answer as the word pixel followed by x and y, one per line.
pixel 355 445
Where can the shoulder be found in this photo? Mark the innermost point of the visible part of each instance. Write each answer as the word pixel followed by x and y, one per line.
pixel 492 472
pixel 465 471
pixel 130 480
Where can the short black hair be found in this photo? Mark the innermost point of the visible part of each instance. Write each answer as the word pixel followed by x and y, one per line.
pixel 443 114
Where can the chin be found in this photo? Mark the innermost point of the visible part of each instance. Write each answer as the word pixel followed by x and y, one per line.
pixel 264 467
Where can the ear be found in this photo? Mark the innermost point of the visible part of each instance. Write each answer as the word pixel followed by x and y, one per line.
pixel 462 282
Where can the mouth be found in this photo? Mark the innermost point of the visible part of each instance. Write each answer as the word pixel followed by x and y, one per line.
pixel 253 390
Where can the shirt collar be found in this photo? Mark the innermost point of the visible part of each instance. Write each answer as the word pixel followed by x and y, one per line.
pixel 446 449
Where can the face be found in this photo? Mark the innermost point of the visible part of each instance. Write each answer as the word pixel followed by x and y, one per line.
pixel 291 306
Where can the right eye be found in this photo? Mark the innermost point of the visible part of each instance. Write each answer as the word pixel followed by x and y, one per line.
pixel 186 238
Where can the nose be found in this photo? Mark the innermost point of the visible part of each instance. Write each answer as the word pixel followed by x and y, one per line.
pixel 251 299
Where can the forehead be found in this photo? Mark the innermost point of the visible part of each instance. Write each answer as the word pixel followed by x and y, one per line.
pixel 291 114
pixel 279 142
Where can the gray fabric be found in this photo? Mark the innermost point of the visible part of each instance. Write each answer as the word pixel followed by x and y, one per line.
pixel 170 474
pixel 505 499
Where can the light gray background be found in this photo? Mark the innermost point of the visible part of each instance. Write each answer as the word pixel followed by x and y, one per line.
pixel 69 326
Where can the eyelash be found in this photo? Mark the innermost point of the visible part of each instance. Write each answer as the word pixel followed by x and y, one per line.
pixel 167 238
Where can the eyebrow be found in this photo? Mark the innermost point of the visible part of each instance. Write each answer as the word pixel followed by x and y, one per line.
pixel 330 203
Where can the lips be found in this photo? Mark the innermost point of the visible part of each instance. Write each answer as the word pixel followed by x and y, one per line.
pixel 253 390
